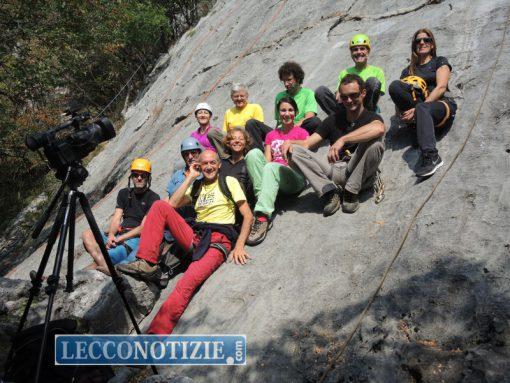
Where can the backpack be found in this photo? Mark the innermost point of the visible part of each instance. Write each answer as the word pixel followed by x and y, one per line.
pixel 21 367
pixel 173 259
pixel 222 183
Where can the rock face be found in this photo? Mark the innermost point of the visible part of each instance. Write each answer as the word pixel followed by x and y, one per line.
pixel 443 311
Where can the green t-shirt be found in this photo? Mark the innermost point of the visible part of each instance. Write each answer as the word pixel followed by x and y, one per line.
pixel 305 100
pixel 368 71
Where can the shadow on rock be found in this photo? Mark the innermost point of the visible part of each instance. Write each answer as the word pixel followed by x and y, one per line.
pixel 448 324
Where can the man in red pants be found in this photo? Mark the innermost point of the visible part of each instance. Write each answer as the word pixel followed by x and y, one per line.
pixel 208 241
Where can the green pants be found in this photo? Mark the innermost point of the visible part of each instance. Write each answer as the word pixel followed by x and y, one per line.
pixel 270 177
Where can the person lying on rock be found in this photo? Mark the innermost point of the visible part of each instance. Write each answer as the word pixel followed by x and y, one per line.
pixel 292 76
pixel 422 100
pixel 203 114
pixel 356 150
pixel 208 241
pixel 237 116
pixel 375 83
pixel 270 172
pixel 123 235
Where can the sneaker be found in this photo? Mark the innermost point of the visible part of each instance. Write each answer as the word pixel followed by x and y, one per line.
pixel 258 231
pixel 139 268
pixel 430 163
pixel 351 202
pixel 378 188
pixel 331 202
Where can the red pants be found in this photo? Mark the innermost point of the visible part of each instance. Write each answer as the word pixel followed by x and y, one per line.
pixel 160 215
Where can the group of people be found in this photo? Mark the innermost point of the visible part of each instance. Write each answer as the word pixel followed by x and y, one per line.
pixel 224 197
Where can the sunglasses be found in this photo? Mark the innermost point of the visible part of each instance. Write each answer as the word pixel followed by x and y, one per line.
pixel 352 96
pixel 143 176
pixel 425 40
pixel 193 153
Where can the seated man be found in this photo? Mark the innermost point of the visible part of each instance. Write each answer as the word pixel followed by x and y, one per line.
pixel 292 76
pixel 207 242
pixel 375 84
pixel 127 221
pixel 190 151
pixel 353 129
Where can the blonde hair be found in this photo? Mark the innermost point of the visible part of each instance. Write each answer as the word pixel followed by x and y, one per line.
pixel 229 138
pixel 414 56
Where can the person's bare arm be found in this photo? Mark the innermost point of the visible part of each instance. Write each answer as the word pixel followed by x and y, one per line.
pixel 239 254
pixel 442 77
pixel 114 227
pixel 179 197
pixel 307 115
pixel 135 232
pixel 365 133
pixel 311 142
pixel 267 153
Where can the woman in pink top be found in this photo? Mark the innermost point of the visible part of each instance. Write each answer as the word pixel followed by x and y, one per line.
pixel 270 172
pixel 203 114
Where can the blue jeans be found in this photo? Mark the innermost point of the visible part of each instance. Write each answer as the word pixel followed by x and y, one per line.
pixel 119 254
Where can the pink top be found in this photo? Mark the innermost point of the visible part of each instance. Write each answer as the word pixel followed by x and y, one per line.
pixel 202 138
pixel 277 137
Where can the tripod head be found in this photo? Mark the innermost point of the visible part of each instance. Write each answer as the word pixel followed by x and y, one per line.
pixel 73 177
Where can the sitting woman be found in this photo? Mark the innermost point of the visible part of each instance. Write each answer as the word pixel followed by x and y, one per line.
pixel 270 171
pixel 421 97
pixel 237 144
pixel 238 115
pixel 203 114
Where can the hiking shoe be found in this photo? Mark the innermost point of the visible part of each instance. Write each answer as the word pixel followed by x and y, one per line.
pixel 351 202
pixel 258 231
pixel 139 268
pixel 378 188
pixel 430 163
pixel 331 203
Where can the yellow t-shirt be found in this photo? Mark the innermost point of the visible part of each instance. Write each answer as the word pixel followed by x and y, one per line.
pixel 213 207
pixel 235 117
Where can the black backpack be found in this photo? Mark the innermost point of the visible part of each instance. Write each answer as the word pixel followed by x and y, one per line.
pixel 26 346
pixel 173 259
pixel 222 183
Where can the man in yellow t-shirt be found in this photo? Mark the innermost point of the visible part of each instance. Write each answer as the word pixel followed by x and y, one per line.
pixel 207 242
pixel 237 116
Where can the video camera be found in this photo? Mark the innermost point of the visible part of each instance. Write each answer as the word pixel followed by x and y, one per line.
pixel 67 144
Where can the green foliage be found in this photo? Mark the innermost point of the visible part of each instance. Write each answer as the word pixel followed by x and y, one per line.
pixel 55 51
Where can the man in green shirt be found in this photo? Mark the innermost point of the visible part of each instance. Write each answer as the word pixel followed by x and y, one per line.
pixel 373 76
pixel 292 76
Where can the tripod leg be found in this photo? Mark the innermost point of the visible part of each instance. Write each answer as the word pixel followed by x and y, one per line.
pixel 70 245
pixel 117 280
pixel 54 277
pixel 37 280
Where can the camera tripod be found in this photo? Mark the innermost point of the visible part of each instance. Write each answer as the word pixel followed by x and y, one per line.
pixel 64 225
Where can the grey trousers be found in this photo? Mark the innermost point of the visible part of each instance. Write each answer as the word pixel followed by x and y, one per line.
pixel 354 176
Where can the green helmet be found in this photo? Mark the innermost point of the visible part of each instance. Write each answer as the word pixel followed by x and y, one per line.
pixel 360 39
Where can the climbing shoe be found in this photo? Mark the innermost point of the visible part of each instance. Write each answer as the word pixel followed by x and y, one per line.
pixel 331 202
pixel 259 230
pixel 429 165
pixel 139 269
pixel 351 202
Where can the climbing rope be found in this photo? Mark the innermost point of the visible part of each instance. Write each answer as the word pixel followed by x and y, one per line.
pixel 338 356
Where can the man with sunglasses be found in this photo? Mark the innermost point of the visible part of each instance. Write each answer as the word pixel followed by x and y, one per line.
pixel 123 234
pixel 375 83
pixel 355 152
pixel 190 152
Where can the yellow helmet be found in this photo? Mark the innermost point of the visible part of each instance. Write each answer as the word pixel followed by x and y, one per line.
pixel 141 164
pixel 360 39
pixel 419 85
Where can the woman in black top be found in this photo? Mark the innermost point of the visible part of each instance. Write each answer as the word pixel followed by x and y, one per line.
pixel 427 106
pixel 237 143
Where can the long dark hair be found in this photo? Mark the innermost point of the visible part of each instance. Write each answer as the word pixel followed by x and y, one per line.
pixel 414 56
pixel 288 100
